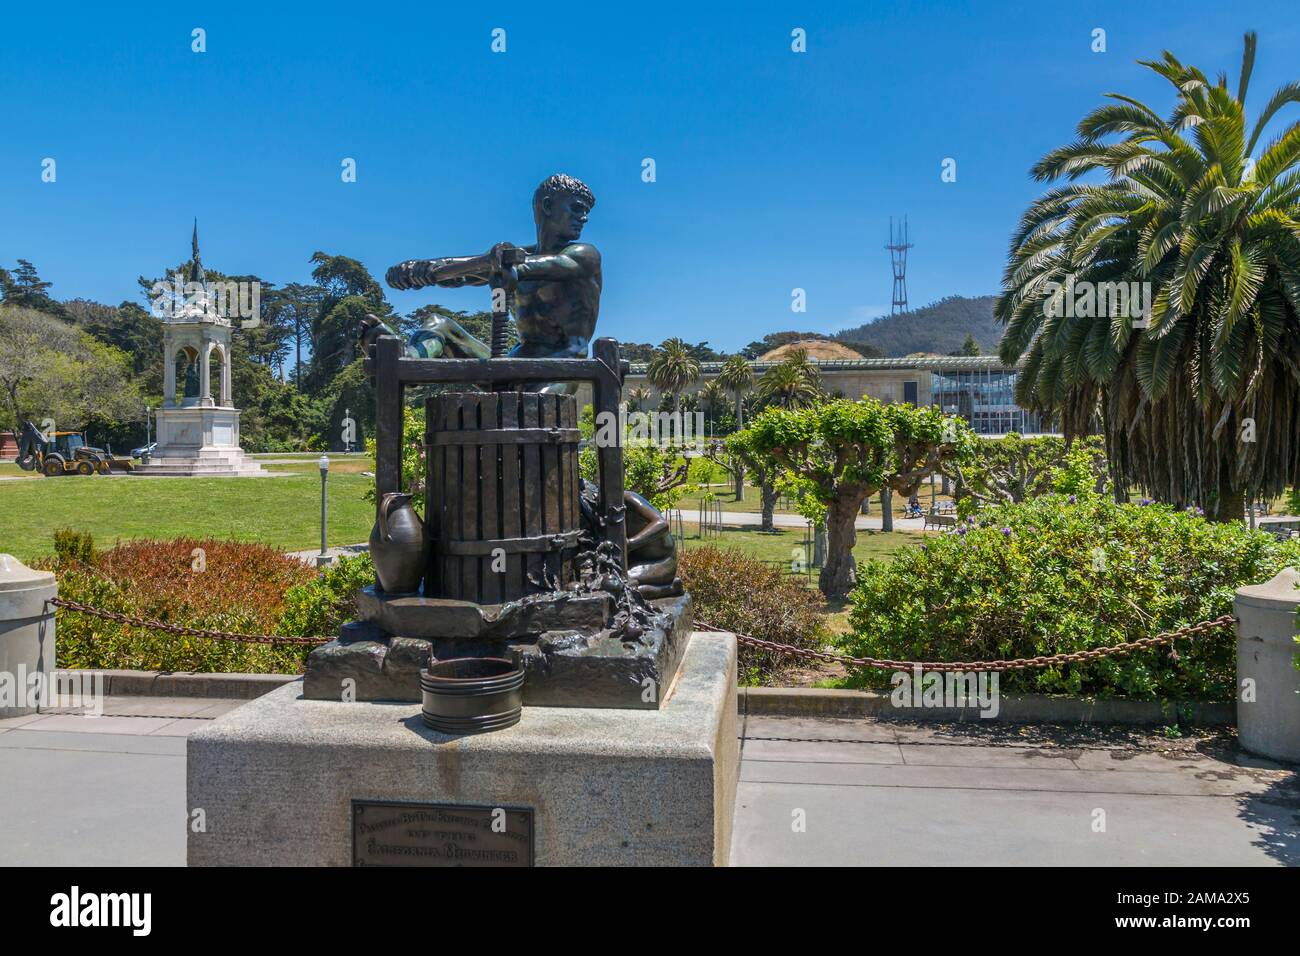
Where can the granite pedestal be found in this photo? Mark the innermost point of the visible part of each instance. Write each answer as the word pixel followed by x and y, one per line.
pixel 276 778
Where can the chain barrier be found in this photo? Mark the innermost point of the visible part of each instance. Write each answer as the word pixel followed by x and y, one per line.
pixel 182 630
pixel 1023 663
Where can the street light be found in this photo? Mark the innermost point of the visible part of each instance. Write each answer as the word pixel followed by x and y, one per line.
pixel 323 559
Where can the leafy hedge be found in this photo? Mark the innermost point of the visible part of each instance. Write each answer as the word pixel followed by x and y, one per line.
pixel 733 591
pixel 232 586
pixel 1061 574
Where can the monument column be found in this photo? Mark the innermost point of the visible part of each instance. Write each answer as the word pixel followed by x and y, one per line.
pixel 205 378
pixel 169 371
pixel 225 377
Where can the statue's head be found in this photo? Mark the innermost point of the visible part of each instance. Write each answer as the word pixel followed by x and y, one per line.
pixel 560 207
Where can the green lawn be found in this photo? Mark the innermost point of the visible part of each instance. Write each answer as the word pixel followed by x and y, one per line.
pixel 780 545
pixel 283 512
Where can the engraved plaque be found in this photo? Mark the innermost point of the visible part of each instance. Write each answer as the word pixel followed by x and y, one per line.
pixel 437 834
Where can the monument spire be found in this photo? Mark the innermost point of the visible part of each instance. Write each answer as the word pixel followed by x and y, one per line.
pixel 196 271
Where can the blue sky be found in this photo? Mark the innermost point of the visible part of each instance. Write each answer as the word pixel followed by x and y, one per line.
pixel 775 170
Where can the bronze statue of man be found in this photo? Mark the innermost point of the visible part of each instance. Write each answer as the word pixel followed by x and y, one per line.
pixel 557 296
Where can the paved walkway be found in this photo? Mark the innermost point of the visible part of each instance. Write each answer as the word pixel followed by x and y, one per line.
pixel 110 790
pixel 99 791
pixel 882 793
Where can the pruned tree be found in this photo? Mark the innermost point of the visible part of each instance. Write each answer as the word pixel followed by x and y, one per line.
pixel 1013 468
pixel 849 451
pixel 761 467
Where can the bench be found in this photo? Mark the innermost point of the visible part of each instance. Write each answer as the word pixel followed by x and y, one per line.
pixel 935 520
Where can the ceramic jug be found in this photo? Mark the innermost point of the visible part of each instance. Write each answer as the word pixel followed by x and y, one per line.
pixel 397 545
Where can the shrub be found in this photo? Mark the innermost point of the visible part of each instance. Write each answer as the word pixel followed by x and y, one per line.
pixel 74 547
pixel 733 591
pixel 318 607
pixel 1058 575
pixel 227 586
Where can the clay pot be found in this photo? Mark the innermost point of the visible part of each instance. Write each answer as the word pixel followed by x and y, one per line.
pixel 397 545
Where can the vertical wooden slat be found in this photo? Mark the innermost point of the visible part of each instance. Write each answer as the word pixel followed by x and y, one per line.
pixel 571 485
pixel 469 474
pixel 532 482
pixel 490 505
pixel 449 420
pixel 511 499
pixel 605 398
pixel 550 479
pixel 433 496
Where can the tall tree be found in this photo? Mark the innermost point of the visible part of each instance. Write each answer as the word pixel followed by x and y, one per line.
pixel 737 377
pixel 1201 406
pixel 673 368
pixel 24 288
pixel 297 305
pixel 49 369
pixel 350 292
pixel 792 383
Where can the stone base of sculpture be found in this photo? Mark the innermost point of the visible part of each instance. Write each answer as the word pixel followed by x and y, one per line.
pixel 289 781
pixel 567 643
pixel 199 441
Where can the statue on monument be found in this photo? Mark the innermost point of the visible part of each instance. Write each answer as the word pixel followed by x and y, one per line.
pixel 557 283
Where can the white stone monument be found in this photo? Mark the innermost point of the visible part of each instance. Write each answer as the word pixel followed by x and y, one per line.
pixel 198 432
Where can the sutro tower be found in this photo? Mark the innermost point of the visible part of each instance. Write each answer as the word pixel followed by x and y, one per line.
pixel 898 259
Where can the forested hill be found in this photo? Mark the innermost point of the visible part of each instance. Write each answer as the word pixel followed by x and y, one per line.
pixel 940 327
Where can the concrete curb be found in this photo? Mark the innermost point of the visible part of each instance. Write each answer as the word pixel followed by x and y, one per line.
pixel 1030 709
pixel 188 684
pixel 765 702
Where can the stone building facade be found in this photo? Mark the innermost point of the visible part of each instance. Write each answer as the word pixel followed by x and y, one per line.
pixel 979 388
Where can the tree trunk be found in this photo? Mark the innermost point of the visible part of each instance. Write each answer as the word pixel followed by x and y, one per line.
pixel 839 575
pixel 886 509
pixel 1231 504
pixel 768 493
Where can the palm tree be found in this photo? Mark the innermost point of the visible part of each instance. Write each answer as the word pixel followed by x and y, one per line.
pixel 672 369
pixel 711 396
pixel 737 377
pixel 1201 407
pixel 792 383
pixel 637 398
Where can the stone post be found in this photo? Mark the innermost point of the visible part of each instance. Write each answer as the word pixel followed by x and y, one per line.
pixel 205 378
pixel 26 635
pixel 169 372
pixel 1268 684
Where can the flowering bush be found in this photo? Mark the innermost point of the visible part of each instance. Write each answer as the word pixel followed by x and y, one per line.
pixel 1059 574
pixel 218 585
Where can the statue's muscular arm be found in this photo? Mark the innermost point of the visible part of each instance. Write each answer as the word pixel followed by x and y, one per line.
pixel 572 262
pixel 452 271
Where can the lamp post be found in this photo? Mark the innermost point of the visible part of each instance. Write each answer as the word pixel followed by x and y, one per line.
pixel 148 435
pixel 323 559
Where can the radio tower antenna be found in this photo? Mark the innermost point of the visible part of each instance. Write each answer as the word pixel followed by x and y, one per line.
pixel 898 259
